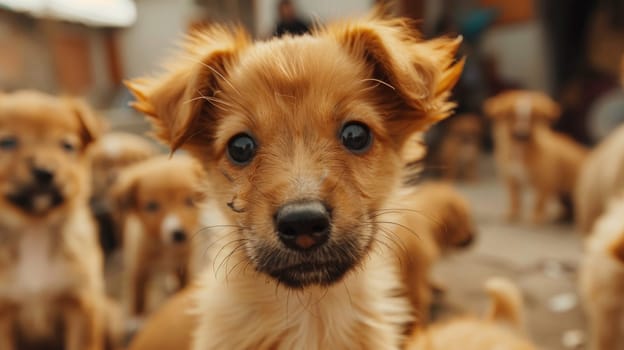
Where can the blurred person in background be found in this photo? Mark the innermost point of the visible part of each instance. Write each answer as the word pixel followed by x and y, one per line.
pixel 288 21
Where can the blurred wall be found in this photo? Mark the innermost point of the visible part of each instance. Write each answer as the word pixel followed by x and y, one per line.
pixel 160 24
pixel 520 53
pixel 323 10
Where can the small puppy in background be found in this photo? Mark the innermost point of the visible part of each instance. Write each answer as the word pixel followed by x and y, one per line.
pixel 113 152
pixel 501 328
pixel 602 279
pixel 158 199
pixel 460 148
pixel 529 152
pixel 51 274
pixel 601 178
pixel 438 220
pixel 303 152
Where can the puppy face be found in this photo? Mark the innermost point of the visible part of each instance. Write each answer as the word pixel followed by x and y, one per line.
pixel 521 112
pixel 301 136
pixel 42 146
pixel 164 194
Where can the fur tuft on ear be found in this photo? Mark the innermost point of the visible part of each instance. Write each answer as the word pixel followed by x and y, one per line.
pixel 92 126
pixel 179 101
pixel 417 75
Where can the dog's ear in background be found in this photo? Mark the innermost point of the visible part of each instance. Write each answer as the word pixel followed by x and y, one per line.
pixel 124 192
pixel 545 108
pixel 92 126
pixel 415 76
pixel 180 101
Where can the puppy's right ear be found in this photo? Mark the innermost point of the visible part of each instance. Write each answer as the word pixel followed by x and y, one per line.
pixel 178 101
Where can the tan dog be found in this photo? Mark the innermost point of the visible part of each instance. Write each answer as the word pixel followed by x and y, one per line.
pixel 601 178
pixel 303 151
pixel 112 153
pixel 437 220
pixel 460 148
pixel 529 153
pixel 50 262
pixel 502 327
pixel 159 199
pixel 602 279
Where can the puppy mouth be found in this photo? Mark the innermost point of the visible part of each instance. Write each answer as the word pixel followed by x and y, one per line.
pixel 36 200
pixel 301 275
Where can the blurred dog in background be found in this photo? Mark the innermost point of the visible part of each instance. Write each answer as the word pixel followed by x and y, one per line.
pixel 51 278
pixel 601 178
pixel 501 328
pixel 529 153
pixel 159 204
pixel 602 279
pixel 457 157
pixel 112 153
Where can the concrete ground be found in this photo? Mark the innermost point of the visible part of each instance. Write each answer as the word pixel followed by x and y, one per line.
pixel 542 260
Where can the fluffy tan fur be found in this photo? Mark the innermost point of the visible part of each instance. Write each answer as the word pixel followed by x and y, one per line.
pixel 529 153
pixel 601 178
pixel 437 219
pixel 602 279
pixel 502 327
pixel 50 262
pixel 293 101
pixel 159 199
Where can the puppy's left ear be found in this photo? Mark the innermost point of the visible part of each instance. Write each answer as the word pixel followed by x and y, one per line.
pixel 92 126
pixel 180 103
pixel 415 76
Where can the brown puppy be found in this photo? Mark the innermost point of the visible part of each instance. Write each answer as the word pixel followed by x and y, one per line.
pixel 529 153
pixel 437 220
pixel 50 263
pixel 460 148
pixel 302 139
pixel 502 328
pixel 109 155
pixel 159 201
pixel 601 178
pixel 602 279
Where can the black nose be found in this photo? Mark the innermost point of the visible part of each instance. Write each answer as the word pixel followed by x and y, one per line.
pixel 42 176
pixel 179 236
pixel 522 136
pixel 303 225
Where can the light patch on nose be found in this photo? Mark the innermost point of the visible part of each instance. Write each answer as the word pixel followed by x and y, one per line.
pixel 111 147
pixel 523 114
pixel 41 202
pixel 169 225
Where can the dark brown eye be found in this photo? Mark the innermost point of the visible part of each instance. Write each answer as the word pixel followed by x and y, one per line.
pixel 68 146
pixel 189 202
pixel 152 206
pixel 241 149
pixel 356 137
pixel 8 143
